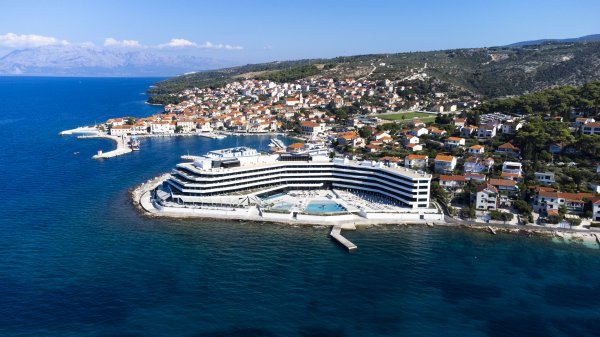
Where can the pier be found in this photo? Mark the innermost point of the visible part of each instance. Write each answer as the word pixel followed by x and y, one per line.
pixel 336 233
pixel 122 146
pixel 80 130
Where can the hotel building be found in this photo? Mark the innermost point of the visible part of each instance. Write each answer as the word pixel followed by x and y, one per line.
pixel 242 176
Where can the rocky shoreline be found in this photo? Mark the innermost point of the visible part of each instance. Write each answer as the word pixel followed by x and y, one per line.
pixel 579 236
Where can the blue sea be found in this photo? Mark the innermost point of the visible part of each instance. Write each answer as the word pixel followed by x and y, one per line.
pixel 76 259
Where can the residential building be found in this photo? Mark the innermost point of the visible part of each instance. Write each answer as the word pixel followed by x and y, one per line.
pixel 410 139
pixel 186 125
pixel 477 177
pixel 476 150
pixel 511 127
pixel 579 121
pixel 512 167
pixel 596 210
pixel 547 199
pixel 508 149
pixel 459 122
pixel 416 161
pixel 545 177
pixel 475 165
pixel 161 127
pixel 444 163
pixel 419 131
pixel 486 131
pixel 467 131
pixel 311 129
pixel 591 128
pixel 350 138
pixel 452 183
pixel 122 129
pixel 486 197
pixel 454 142
pixel 505 186
pixel 414 147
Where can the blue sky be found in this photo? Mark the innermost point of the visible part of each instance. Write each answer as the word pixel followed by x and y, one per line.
pixel 255 31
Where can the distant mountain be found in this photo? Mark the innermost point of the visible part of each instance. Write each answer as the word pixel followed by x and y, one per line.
pixel 91 61
pixel 587 38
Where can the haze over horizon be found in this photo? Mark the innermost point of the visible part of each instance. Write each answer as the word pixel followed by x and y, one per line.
pixel 237 32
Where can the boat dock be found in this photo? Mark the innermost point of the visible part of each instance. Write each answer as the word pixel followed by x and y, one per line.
pixel 122 146
pixel 336 233
pixel 80 131
pixel 211 135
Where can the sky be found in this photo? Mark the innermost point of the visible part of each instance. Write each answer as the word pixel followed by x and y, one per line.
pixel 260 31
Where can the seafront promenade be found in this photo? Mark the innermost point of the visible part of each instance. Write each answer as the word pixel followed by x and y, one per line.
pixel 142 199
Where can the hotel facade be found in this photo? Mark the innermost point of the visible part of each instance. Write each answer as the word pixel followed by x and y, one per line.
pixel 241 175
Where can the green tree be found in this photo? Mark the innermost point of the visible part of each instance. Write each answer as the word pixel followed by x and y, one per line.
pixel 469 212
pixel 365 132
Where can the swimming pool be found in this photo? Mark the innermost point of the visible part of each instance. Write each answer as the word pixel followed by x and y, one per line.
pixel 324 206
pixel 282 206
pixel 273 196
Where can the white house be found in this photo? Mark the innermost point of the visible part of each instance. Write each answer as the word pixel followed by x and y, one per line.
pixel 486 131
pixel 579 121
pixel 414 147
pixel 512 167
pixel 410 139
pixel 416 161
pixel 476 150
pixel 444 163
pixel 310 128
pixel 545 177
pixel 591 128
pixel 475 165
pixel 419 131
pixel 161 127
pixel 118 130
pixel 454 142
pixel 486 197
pixel 511 127
pixel 186 125
pixel 548 199
pixel 467 131
pixel 596 210
pixel 452 182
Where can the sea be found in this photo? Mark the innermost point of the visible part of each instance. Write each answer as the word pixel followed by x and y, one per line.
pixel 76 258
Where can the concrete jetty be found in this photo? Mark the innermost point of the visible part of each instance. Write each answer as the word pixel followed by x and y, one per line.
pixel 336 233
pixel 122 146
pixel 80 130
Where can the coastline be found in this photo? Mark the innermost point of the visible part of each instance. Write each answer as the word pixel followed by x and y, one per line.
pixel 141 201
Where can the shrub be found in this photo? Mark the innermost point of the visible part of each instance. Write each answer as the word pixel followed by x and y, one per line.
pixel 502 216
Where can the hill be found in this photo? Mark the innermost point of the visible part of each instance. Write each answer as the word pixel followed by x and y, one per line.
pixel 489 72
pixel 587 38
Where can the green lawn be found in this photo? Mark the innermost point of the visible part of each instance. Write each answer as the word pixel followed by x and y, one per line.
pixel 408 116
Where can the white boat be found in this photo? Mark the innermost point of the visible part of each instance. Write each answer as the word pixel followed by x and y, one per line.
pixel 135 143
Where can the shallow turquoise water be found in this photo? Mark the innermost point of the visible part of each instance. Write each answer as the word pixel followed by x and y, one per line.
pixel 77 260
pixel 324 207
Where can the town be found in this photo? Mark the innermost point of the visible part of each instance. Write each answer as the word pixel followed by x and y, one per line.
pixel 484 165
